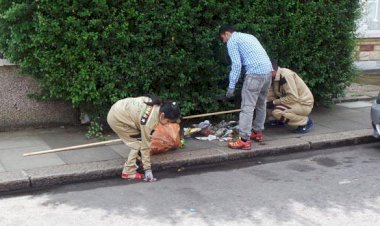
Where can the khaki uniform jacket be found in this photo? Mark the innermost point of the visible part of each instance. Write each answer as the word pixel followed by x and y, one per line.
pixel 291 89
pixel 136 114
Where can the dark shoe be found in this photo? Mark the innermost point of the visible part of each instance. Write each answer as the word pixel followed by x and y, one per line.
pixel 140 167
pixel 257 136
pixel 306 128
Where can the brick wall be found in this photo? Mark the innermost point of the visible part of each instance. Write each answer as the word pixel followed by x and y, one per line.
pixel 368 49
pixel 367 54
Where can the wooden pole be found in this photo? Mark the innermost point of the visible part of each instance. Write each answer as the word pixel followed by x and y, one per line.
pixel 209 114
pixel 73 147
pixel 118 140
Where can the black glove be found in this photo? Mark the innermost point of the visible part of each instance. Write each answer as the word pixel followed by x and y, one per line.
pixel 270 105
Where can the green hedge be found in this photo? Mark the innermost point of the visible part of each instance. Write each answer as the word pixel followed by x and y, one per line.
pixel 93 53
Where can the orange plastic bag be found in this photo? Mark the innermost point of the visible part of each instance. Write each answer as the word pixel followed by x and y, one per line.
pixel 165 137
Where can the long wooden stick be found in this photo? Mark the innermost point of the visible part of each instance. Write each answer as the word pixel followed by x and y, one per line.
pixel 118 140
pixel 73 147
pixel 209 114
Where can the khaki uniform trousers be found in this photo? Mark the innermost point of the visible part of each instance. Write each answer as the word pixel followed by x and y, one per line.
pixel 125 131
pixel 270 97
pixel 294 115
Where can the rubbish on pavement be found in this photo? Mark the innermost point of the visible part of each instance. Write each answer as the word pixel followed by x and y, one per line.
pixel 188 132
pixel 209 137
pixel 222 131
pixel 345 181
pixel 204 124
pixel 181 169
pixel 182 145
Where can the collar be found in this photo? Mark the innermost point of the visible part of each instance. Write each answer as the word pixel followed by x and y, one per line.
pixel 278 74
pixel 232 35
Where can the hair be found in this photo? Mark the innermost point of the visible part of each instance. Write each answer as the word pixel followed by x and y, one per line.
pixel 226 27
pixel 169 108
pixel 154 100
pixel 274 64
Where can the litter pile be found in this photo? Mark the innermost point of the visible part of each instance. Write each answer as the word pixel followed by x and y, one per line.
pixel 223 131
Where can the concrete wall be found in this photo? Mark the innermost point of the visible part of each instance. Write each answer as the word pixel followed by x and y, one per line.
pixel 17 110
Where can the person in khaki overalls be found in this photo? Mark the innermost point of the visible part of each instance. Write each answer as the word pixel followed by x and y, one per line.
pixel 140 115
pixel 291 101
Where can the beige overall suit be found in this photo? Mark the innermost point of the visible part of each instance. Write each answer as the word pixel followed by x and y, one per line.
pixel 294 100
pixel 131 116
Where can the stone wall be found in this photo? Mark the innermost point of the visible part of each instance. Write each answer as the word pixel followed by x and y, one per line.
pixel 368 53
pixel 368 49
pixel 17 110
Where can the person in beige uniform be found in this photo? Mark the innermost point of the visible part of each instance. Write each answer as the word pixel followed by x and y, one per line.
pixel 292 101
pixel 130 117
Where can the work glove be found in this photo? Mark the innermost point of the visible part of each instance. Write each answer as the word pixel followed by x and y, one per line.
pixel 230 93
pixel 270 105
pixel 149 176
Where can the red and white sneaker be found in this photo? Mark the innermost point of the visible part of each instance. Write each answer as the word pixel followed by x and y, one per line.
pixel 137 176
pixel 239 144
pixel 257 136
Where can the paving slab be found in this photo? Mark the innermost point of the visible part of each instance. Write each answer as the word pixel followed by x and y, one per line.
pixel 361 114
pixel 2 169
pixel 121 149
pixel 320 129
pixel 286 133
pixel 338 124
pixel 13 159
pixel 365 111
pixel 65 138
pixel 194 144
pixel 14 142
pixel 88 155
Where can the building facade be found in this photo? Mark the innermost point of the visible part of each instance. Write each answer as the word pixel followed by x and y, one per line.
pixel 368 48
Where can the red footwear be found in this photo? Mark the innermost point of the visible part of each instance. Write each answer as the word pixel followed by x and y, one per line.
pixel 239 144
pixel 137 176
pixel 257 136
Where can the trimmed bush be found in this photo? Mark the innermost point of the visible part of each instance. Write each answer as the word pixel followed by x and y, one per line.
pixel 93 53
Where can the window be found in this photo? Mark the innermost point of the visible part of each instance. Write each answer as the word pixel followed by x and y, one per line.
pixel 369 25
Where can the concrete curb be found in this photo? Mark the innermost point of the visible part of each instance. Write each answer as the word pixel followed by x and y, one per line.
pixel 353 99
pixel 44 177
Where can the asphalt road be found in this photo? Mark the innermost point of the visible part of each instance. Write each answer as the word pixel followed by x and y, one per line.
pixel 329 187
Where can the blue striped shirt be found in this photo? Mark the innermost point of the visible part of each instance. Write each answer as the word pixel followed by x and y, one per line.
pixel 245 50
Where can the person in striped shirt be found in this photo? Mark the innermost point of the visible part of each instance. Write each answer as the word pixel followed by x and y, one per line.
pixel 246 52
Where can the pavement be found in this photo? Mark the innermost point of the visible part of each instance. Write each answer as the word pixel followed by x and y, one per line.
pixel 347 122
